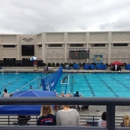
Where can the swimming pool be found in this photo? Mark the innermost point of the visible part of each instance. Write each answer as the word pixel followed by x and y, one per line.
pixel 89 84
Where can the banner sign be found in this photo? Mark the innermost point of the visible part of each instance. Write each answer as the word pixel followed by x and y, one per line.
pixel 98 59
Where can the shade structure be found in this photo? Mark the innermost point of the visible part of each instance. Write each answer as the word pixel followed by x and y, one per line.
pixel 33 58
pixel 118 63
pixel 25 109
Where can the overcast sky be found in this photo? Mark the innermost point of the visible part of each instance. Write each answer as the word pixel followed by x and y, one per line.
pixel 36 16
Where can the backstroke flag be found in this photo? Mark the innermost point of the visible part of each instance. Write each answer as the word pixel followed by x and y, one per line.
pixel 49 83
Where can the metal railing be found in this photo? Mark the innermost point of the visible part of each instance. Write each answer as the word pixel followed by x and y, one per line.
pixel 110 104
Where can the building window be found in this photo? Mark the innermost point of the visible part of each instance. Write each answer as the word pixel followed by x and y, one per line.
pixel 25 59
pixel 122 44
pixel 55 45
pixel 40 45
pixel 76 45
pixel 97 45
pixel 27 50
pixel 8 46
pixel 11 59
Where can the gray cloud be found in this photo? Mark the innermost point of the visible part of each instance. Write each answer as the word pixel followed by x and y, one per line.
pixel 120 24
pixel 35 16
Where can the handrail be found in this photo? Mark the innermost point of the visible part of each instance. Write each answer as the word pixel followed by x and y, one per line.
pixel 109 102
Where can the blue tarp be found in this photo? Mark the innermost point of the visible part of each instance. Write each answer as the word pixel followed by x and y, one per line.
pixel 101 66
pixel 76 66
pixel 50 81
pixel 92 66
pixel 86 66
pixel 25 109
pixel 127 66
pixel 104 67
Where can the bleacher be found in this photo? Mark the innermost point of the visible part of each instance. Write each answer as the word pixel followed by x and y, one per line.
pixel 110 103
pixel 84 118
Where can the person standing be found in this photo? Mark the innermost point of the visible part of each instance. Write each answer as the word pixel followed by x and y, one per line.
pixel 68 95
pixel 5 93
pixel 62 94
pixel 115 66
pixel 76 94
pixel 31 87
pixel 67 117
pixel 46 69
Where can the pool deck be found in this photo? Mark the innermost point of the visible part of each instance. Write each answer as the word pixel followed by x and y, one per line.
pixel 93 110
pixel 53 69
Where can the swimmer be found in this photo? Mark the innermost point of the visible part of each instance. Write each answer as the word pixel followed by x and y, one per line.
pixel 74 80
pixel 31 87
pixel 9 82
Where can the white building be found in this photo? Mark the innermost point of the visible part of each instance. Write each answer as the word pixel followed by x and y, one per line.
pixel 53 47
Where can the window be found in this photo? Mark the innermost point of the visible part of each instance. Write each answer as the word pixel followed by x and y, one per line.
pixel 40 45
pixel 55 45
pixel 27 50
pixel 97 45
pixel 9 46
pixel 25 59
pixel 76 45
pixel 122 44
pixel 11 59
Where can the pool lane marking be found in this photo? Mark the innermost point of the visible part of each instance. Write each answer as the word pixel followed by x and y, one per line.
pixel 108 87
pixel 72 84
pixel 29 82
pixel 120 83
pixel 90 87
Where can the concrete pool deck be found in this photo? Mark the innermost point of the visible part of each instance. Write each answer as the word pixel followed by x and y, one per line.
pixel 53 69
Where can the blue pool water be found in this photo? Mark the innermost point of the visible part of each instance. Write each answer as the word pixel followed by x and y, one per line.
pixel 89 84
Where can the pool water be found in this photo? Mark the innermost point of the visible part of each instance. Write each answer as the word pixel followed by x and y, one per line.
pixel 88 84
pixel 98 84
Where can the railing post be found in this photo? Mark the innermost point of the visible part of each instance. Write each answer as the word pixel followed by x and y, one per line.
pixel 8 120
pixel 111 117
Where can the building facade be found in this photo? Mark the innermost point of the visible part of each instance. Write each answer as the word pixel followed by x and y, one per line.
pixel 53 47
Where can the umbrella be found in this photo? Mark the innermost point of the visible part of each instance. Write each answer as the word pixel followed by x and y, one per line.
pixel 25 109
pixel 33 58
pixel 117 63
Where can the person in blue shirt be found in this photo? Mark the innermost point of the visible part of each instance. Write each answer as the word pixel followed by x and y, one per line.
pixel 76 94
pixel 46 116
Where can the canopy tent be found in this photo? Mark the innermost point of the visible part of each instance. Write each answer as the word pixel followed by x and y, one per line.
pixel 25 109
pixel 33 58
pixel 117 63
